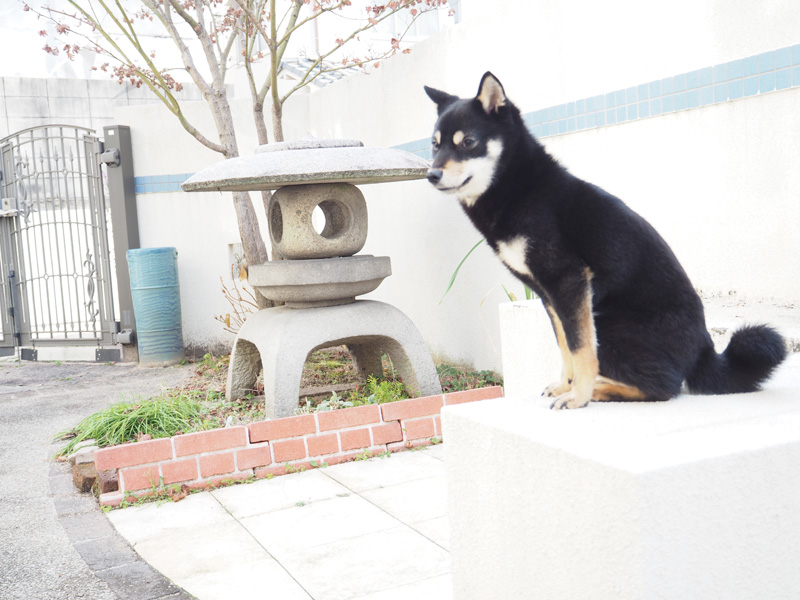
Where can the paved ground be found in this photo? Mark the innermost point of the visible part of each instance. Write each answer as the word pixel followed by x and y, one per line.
pixel 56 543
pixel 365 530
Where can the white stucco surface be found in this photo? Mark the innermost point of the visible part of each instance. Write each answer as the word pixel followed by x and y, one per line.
pixel 697 497
pixel 718 182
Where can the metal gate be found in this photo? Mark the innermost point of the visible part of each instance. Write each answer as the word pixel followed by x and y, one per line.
pixel 55 275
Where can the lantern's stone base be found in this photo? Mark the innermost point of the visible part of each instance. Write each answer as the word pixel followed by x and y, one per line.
pixel 281 339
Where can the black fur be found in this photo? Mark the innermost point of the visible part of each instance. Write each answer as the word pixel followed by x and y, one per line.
pixel 649 320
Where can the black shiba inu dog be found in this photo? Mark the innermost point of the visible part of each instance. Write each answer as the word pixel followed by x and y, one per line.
pixel 629 324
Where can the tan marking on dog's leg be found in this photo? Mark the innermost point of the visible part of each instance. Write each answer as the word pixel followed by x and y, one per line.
pixel 584 360
pixel 567 372
pixel 608 390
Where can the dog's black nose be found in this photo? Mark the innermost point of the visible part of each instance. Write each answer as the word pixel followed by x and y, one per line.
pixel 435 175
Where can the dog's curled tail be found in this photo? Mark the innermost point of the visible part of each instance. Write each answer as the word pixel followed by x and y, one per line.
pixel 750 358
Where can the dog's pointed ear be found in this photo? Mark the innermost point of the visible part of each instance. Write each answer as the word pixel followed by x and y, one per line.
pixel 442 99
pixel 490 93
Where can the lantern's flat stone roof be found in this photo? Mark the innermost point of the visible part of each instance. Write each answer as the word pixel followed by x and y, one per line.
pixel 309 161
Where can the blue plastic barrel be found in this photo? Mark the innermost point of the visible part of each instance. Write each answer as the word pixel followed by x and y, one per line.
pixel 156 304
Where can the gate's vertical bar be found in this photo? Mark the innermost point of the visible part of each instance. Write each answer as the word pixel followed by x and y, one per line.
pixel 8 342
pixel 124 223
pixel 99 284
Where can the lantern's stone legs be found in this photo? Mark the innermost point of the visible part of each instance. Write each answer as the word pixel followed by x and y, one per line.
pixel 367 358
pixel 281 339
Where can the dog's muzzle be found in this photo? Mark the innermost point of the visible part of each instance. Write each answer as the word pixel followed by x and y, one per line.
pixel 435 175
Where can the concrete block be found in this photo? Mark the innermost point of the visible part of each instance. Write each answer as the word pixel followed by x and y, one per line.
pixel 67 109
pixel 696 497
pixel 68 88
pixel 27 107
pixel 138 94
pixel 25 87
pixel 99 88
pixel 103 108
pixel 83 455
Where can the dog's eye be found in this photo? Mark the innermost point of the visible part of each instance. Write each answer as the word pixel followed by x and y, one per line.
pixel 434 144
pixel 468 143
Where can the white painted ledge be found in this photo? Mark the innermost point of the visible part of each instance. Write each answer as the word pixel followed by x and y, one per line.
pixel 694 498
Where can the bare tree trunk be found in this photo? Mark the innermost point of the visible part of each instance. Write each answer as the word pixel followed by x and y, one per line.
pixel 277 121
pixel 263 138
pixel 261 124
pixel 255 251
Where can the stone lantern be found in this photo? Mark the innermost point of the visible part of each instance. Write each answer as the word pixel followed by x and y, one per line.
pixel 322 273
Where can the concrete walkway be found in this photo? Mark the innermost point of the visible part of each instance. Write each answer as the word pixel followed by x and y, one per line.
pixel 365 530
pixel 56 543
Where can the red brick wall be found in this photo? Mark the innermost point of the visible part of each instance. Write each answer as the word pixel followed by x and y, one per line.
pixel 209 458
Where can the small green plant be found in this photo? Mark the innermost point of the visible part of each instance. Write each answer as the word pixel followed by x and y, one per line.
pixel 332 403
pixel 364 455
pixel 375 391
pixel 385 390
pixel 456 379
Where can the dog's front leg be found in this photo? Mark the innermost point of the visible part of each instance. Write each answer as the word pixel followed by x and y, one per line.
pixel 575 314
pixel 567 371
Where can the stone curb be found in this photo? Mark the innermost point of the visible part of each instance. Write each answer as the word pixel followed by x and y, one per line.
pixel 107 554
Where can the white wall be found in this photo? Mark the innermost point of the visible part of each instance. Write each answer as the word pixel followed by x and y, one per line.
pixel 719 182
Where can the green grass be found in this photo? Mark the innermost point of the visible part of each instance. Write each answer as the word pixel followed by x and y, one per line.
pixel 162 416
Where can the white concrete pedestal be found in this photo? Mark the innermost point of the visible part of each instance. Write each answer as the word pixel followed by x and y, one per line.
pixel 695 498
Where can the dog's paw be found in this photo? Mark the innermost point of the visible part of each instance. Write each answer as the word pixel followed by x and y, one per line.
pixel 554 390
pixel 568 400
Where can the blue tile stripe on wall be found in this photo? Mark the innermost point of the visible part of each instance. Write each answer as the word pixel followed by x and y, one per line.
pixel 743 78
pixel 151 184
pixel 735 80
